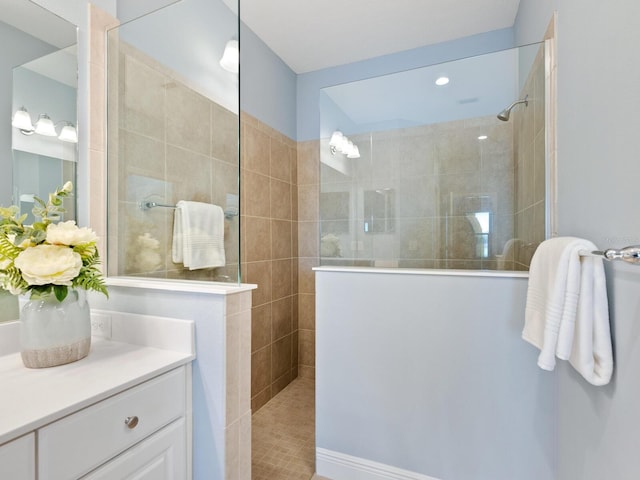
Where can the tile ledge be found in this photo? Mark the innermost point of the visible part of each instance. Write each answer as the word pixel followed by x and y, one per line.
pixel 416 271
pixel 193 286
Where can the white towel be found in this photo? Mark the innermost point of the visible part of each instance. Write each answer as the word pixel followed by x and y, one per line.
pixel 198 235
pixel 567 312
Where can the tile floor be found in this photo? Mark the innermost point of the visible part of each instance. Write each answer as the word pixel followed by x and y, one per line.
pixel 283 434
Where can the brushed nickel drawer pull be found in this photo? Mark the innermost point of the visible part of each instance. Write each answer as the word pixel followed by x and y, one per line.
pixel 131 422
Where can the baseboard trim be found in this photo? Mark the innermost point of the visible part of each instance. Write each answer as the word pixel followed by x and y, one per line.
pixel 338 466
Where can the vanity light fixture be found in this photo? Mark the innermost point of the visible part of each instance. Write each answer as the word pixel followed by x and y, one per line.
pixel 339 143
pixel 230 60
pixel 44 126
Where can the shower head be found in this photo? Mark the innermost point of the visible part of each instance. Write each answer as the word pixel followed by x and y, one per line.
pixel 504 114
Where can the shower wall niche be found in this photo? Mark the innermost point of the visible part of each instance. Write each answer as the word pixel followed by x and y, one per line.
pixel 172 136
pixel 440 181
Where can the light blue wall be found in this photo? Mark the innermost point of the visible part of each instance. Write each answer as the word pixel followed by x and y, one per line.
pixel 128 10
pixel 428 373
pixel 267 85
pixel 598 172
pixel 310 84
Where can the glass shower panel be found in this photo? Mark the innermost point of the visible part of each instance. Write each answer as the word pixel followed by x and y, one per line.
pixel 173 135
pixel 440 181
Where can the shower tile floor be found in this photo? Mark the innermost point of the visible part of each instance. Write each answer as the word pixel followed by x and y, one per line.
pixel 283 434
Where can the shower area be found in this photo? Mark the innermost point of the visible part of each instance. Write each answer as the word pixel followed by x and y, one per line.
pixel 441 167
pixel 437 182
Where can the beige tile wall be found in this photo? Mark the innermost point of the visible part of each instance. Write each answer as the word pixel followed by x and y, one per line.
pixel 530 181
pixel 439 173
pixel 269 255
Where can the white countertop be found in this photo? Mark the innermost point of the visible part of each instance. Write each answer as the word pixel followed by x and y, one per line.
pixel 32 398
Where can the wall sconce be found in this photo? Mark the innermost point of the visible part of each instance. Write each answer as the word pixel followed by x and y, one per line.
pixel 230 60
pixel 44 126
pixel 339 143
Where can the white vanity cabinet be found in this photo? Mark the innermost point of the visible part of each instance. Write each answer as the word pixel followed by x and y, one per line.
pixel 124 411
pixel 18 459
pixel 81 442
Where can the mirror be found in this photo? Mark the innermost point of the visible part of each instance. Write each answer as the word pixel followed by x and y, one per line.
pixel 38 71
pixel 44 143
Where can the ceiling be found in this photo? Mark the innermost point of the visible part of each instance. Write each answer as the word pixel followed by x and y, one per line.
pixel 311 35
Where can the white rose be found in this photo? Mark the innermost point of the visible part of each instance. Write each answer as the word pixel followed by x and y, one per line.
pixel 68 233
pixel 45 264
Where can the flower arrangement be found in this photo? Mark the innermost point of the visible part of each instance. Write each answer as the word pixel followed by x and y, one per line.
pixel 47 257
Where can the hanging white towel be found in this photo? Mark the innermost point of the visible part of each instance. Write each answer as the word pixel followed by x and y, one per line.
pixel 567 314
pixel 198 235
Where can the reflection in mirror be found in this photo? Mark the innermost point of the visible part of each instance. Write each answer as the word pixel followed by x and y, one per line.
pixel 44 151
pixel 465 183
pixel 47 86
pixel 379 210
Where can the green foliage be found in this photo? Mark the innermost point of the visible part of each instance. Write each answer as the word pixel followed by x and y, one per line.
pixel 15 238
pixel 52 210
pixel 60 291
pixel 90 277
pixel 14 277
pixel 7 249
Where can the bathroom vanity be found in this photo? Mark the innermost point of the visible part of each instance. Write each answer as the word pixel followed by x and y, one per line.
pixel 124 409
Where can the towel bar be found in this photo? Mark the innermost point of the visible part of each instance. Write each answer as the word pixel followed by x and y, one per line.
pixel 146 205
pixel 629 254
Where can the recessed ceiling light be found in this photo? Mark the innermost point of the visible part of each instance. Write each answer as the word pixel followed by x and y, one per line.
pixel 440 81
pixel 482 137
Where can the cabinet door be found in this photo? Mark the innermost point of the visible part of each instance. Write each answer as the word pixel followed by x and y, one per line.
pixel 162 456
pixel 18 459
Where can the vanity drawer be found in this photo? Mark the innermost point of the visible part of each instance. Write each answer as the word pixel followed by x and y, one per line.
pixel 18 459
pixel 77 444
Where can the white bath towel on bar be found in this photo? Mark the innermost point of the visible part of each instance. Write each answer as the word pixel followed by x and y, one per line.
pixel 567 313
pixel 198 235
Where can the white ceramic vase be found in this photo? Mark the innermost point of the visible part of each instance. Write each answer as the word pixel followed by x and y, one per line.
pixel 54 333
